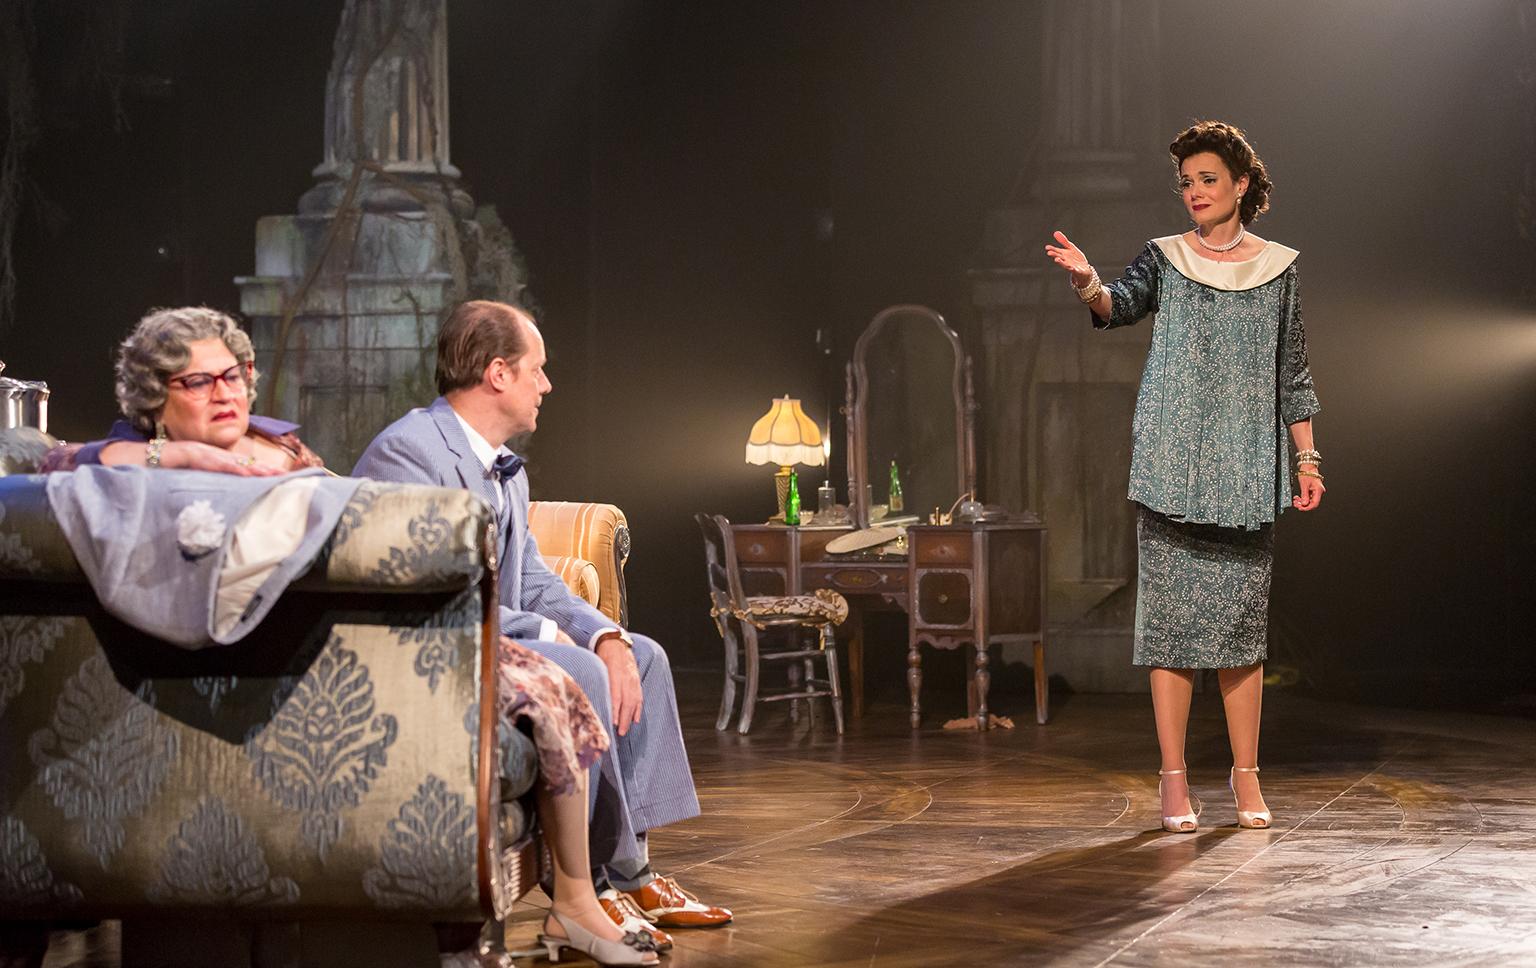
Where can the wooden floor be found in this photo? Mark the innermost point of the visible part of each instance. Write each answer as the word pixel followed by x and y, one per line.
pixel 1400 838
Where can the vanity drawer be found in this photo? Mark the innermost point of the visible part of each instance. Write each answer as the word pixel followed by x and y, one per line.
pixel 929 548
pixel 855 579
pixel 763 546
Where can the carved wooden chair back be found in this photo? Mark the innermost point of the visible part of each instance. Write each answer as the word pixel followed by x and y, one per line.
pixel 725 594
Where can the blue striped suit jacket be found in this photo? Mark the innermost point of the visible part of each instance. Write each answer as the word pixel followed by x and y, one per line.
pixel 428 446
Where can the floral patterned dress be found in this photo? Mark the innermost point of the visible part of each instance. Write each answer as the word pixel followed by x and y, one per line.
pixel 1225 376
pixel 567 733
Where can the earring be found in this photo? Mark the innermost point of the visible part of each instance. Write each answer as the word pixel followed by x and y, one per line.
pixel 159 430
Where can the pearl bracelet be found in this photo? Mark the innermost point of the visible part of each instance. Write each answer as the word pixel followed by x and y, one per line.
pixel 1091 292
pixel 152 455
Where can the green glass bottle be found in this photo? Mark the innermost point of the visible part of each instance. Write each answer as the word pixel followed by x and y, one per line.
pixel 894 502
pixel 792 500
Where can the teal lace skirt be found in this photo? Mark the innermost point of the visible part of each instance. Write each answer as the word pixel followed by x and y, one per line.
pixel 1202 593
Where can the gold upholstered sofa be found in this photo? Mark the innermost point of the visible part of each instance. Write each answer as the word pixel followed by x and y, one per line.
pixel 335 782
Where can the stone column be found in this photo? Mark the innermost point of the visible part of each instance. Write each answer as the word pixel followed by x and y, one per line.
pixel 347 295
pixel 1057 397
pixel 386 103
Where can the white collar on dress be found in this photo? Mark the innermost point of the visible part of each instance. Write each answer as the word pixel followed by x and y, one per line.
pixel 1230 276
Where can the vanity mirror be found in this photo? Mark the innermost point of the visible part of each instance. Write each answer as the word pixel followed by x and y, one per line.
pixel 911 418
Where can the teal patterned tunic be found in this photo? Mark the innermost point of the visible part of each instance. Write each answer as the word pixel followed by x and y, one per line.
pixel 1225 376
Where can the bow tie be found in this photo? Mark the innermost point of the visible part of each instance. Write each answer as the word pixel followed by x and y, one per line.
pixel 506 466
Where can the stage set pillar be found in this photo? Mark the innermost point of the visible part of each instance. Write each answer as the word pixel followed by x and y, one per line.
pixel 347 294
pixel 1057 396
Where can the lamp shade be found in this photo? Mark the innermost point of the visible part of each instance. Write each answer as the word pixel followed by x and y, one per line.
pixel 785 436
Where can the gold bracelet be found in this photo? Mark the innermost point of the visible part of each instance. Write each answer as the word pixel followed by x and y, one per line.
pixel 1309 474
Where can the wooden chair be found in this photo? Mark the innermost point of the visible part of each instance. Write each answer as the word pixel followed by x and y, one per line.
pixel 742 621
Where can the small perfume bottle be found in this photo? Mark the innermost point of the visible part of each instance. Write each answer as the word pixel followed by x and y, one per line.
pixel 826 497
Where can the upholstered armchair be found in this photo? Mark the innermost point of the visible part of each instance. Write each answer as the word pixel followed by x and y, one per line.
pixel 587 545
pixel 340 769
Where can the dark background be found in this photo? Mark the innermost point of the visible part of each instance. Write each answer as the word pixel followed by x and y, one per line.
pixel 663 166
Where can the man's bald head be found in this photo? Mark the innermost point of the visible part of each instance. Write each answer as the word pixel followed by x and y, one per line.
pixel 473 335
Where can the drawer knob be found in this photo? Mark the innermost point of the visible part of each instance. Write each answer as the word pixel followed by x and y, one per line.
pixel 943 598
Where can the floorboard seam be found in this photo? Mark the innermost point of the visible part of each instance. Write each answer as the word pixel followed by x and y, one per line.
pixel 1239 868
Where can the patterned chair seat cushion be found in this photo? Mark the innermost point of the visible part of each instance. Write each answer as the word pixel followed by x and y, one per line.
pixel 822 605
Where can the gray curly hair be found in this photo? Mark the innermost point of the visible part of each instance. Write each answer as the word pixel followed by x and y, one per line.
pixel 157 348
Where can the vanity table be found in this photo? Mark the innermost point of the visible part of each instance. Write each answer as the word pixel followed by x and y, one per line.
pixel 909 400
pixel 960 584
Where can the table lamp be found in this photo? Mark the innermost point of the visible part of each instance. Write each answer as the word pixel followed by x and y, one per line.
pixel 785 436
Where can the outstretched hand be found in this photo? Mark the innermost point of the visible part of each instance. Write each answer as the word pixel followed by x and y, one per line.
pixel 1070 258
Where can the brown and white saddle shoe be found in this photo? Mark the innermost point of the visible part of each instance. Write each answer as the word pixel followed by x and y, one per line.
pixel 663 901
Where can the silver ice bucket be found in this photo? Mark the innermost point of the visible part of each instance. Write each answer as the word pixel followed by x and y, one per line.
pixel 23 403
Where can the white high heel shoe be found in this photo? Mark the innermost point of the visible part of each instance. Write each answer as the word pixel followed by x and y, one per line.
pixel 1176 824
pixel 637 948
pixel 1250 819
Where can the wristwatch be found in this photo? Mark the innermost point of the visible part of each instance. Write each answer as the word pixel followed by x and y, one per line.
pixel 619 634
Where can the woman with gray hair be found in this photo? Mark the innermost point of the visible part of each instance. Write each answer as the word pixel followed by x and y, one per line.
pixel 186 379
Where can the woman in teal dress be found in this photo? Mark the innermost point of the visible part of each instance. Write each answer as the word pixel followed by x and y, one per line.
pixel 1226 382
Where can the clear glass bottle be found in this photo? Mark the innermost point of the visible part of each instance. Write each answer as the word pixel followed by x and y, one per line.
pixel 826 498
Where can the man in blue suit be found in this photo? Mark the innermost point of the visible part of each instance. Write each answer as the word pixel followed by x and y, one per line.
pixel 490 374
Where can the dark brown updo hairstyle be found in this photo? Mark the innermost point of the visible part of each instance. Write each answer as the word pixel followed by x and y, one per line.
pixel 1231 145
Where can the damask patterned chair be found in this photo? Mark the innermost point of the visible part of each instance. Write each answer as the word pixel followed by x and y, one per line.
pixel 335 782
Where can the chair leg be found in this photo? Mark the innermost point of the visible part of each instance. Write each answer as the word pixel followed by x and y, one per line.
pixel 728 696
pixel 749 691
pixel 810 686
pixel 792 673
pixel 830 653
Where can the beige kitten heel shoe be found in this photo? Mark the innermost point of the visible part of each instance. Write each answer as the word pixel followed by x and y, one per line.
pixel 637 948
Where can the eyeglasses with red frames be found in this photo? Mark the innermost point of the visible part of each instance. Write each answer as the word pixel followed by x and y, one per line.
pixel 200 385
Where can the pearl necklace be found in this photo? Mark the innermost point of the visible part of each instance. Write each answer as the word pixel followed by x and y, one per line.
pixel 1242 230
